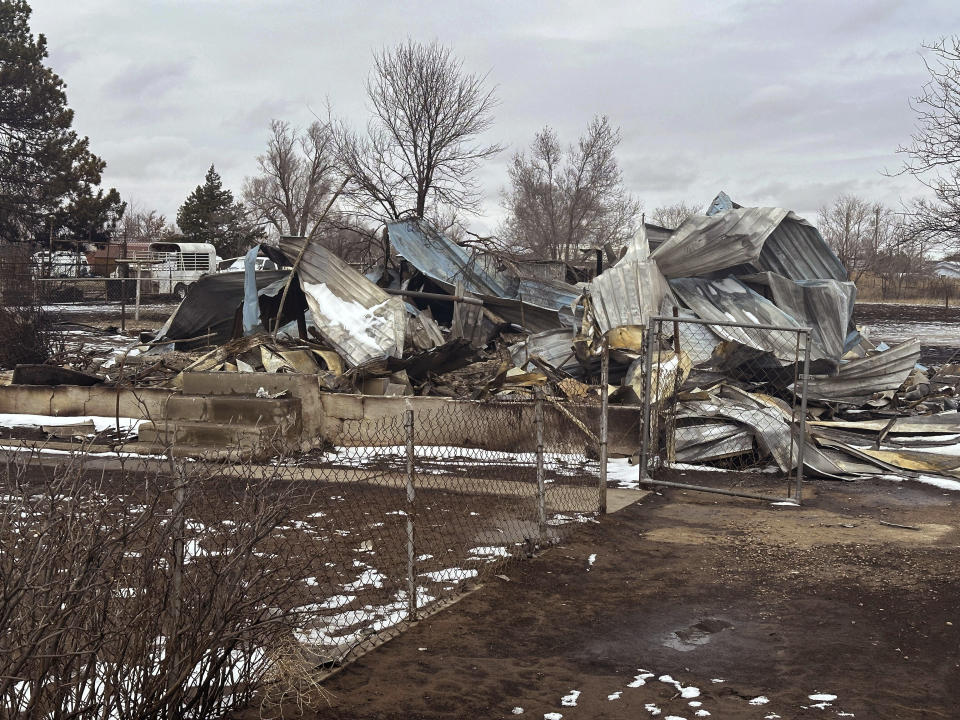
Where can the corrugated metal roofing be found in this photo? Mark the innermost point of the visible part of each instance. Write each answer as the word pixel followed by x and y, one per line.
pixel 731 300
pixel 554 347
pixel 858 379
pixel 381 337
pixel 749 240
pixel 442 260
pixel 446 263
pixel 626 294
pixel 825 306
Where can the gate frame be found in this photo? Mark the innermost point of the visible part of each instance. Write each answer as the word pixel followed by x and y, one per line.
pixel 800 441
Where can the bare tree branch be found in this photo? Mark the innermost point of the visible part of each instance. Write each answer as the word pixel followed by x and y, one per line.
pixel 422 144
pixel 559 202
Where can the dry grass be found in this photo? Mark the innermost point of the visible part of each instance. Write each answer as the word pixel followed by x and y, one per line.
pixel 293 682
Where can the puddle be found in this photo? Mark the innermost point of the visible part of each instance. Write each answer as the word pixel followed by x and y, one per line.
pixel 696 635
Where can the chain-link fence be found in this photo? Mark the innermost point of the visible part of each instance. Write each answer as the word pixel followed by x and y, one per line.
pixel 201 584
pixel 725 396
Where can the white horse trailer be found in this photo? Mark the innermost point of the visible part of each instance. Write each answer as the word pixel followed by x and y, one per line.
pixel 180 264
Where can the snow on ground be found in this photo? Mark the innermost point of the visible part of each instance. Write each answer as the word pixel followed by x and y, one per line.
pixel 105 454
pixel 23 420
pixel 453 575
pixel 489 552
pixel 681 699
pixel 619 470
pixel 935 480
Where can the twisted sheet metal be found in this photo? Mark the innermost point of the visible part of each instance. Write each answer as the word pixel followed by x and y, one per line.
pixel 382 337
pixel 749 240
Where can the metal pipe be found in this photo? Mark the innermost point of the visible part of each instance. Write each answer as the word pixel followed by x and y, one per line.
pixel 604 421
pixel 731 323
pixel 541 481
pixel 136 310
pixel 803 417
pixel 719 491
pixel 435 296
pixel 645 426
pixel 411 497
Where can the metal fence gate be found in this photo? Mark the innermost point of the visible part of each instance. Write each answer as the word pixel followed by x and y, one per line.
pixel 722 395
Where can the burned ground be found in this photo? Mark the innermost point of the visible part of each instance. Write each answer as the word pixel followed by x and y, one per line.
pixel 777 602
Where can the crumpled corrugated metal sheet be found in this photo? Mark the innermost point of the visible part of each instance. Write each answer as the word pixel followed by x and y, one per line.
pixel 749 240
pixel 442 260
pixel 554 347
pixel 381 335
pixel 630 292
pixel 446 263
pixel 731 300
pixel 825 306
pixel 858 380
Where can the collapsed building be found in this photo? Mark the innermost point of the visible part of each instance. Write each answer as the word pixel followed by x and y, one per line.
pixel 445 321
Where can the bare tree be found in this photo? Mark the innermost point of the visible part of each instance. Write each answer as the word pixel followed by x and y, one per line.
pixel 870 237
pixel 142 225
pixel 672 216
pixel 560 200
pixel 296 178
pixel 845 225
pixel 422 144
pixel 934 151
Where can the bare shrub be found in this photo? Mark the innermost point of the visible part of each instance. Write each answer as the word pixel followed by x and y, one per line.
pixel 121 597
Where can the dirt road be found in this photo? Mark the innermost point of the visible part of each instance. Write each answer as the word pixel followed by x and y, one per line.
pixel 752 610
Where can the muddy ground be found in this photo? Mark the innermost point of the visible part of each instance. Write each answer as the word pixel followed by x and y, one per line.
pixel 778 603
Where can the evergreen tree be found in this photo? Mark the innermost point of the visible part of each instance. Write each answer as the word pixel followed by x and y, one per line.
pixel 210 214
pixel 45 167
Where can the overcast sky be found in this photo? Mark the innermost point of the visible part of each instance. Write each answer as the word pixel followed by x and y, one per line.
pixel 778 103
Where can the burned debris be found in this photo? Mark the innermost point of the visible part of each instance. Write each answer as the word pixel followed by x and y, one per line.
pixel 719 332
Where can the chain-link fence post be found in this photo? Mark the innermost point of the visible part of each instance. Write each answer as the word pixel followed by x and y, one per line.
pixel 541 484
pixel 646 423
pixel 411 497
pixel 803 416
pixel 604 384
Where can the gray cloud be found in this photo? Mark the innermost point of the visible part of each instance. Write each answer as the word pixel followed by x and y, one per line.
pixel 776 102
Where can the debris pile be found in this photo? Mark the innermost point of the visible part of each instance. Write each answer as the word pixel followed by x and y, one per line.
pixel 440 319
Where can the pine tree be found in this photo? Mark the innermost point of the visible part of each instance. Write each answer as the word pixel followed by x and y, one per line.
pixel 209 214
pixel 45 167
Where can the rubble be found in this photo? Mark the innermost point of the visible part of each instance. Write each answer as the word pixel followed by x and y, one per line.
pixel 439 319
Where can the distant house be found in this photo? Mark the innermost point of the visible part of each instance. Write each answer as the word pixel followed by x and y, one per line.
pixel 947 268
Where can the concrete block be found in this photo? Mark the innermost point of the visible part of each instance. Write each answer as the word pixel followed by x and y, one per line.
pixel 241 409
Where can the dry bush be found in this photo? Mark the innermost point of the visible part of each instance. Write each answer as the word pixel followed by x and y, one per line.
pixel 28 334
pixel 117 601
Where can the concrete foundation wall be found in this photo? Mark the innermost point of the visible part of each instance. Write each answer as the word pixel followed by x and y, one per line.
pixel 73 400
pixel 343 419
pixel 375 420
